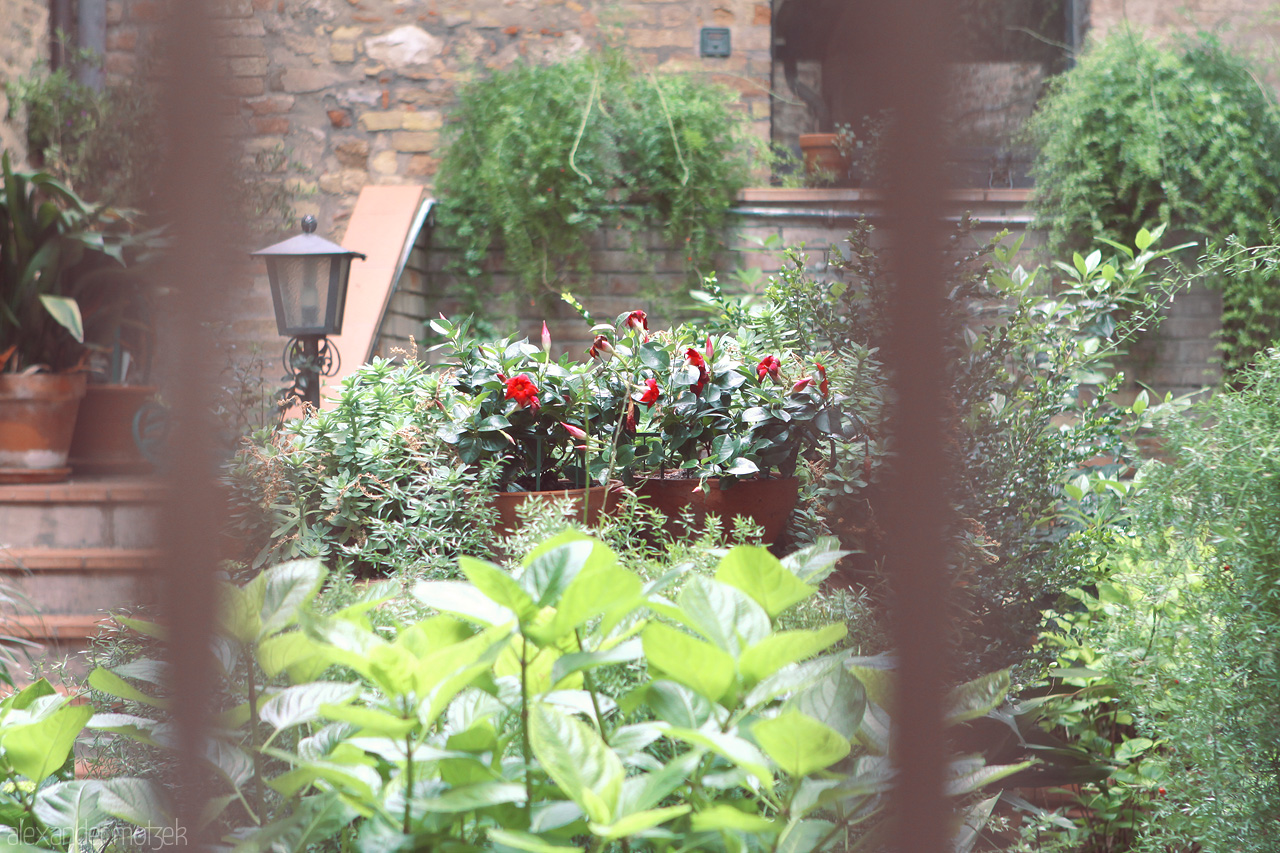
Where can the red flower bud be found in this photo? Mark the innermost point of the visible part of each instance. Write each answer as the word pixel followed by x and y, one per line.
pixel 638 320
pixel 574 431
pixel 693 358
pixel 823 385
pixel 546 337
pixel 601 348
pixel 801 385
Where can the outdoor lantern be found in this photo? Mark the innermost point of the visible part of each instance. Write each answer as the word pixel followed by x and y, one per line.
pixel 309 291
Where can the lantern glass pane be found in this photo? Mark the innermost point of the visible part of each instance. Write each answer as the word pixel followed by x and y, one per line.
pixel 304 292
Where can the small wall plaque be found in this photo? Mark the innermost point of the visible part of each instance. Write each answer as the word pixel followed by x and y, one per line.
pixel 715 41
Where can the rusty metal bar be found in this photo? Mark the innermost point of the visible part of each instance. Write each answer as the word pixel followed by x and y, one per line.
pixel 910 40
pixel 194 200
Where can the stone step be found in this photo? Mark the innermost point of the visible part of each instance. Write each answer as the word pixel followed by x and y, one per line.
pixel 106 512
pixel 61 581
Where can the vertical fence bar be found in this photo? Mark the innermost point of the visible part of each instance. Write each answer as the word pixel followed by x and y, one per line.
pixel 194 201
pixel 910 40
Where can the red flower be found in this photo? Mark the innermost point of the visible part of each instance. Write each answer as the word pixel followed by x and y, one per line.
pixel 711 352
pixel 601 348
pixel 769 366
pixel 546 337
pixel 651 395
pixel 638 321
pixel 823 385
pixel 693 358
pixel 801 385
pixel 523 391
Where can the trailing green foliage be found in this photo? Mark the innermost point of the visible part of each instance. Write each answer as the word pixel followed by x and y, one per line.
pixel 541 157
pixel 490 725
pixel 1137 134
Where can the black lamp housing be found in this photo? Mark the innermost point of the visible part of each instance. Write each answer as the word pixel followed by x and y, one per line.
pixel 308 282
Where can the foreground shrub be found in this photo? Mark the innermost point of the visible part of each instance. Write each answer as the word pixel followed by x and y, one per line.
pixel 569 705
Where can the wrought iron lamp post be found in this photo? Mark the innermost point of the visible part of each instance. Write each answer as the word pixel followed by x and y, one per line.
pixel 309 291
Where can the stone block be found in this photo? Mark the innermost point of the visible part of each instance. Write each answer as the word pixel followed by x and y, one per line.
pixel 382 120
pixel 148 10
pixel 425 120
pixel 347 181
pixel 422 165
pixel 413 142
pixel 238 28
pixel 353 153
pixel 342 51
pixel 404 46
pixel 248 66
pixel 301 80
pixel 270 105
pixel 122 38
pixel 347 33
pixel 385 163
pixel 121 65
pixel 269 125
pixel 231 8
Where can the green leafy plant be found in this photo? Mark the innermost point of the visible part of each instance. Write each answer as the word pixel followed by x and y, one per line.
pixel 1029 404
pixel 541 157
pixel 494 722
pixel 367 481
pixel 57 258
pixel 1136 134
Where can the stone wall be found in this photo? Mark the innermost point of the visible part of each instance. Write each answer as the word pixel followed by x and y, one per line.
pixel 334 94
pixel 24 46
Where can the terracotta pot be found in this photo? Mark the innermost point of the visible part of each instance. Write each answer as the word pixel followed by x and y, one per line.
pixel 103 442
pixel 600 499
pixel 37 418
pixel 766 502
pixel 821 153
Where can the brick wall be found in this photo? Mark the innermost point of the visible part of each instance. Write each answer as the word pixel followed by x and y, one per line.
pixel 22 48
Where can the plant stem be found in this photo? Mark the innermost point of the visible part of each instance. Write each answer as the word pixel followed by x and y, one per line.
pixel 525 747
pixel 253 730
pixel 408 777
pixel 591 691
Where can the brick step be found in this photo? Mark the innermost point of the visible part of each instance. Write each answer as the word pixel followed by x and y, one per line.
pixel 118 512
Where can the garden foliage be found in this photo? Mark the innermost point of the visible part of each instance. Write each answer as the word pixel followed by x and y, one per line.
pixel 1181 623
pixel 1137 134
pixel 571 705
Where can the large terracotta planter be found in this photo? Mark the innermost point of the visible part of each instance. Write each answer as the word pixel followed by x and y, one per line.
pixel 103 442
pixel 600 499
pixel 37 417
pixel 766 502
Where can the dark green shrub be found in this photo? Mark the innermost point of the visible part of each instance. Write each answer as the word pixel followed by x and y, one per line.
pixel 1137 134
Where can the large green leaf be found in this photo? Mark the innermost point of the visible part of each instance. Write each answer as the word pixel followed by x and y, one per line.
pixel 598 589
pixel 38 748
pixel 738 750
pixel 288 587
pixel 369 720
pixel 548 573
pixel 676 704
pixel 763 659
pixel 638 822
pixel 294 652
pixel 837 700
pixel 723 614
pixel 976 698
pixel 566 665
pixel 799 744
pixel 464 600
pixel 73 806
pixel 695 663
pixel 113 685
pixel 526 842
pixel 877 676
pixel 468 798
pixel 499 586
pixel 135 801
pixel 574 756
pixel 724 816
pixel 752 569
pixel 293 706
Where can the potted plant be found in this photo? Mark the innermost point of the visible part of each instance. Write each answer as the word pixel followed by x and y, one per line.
pixel 505 403
pixel 50 242
pixel 713 426
pixel 118 310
